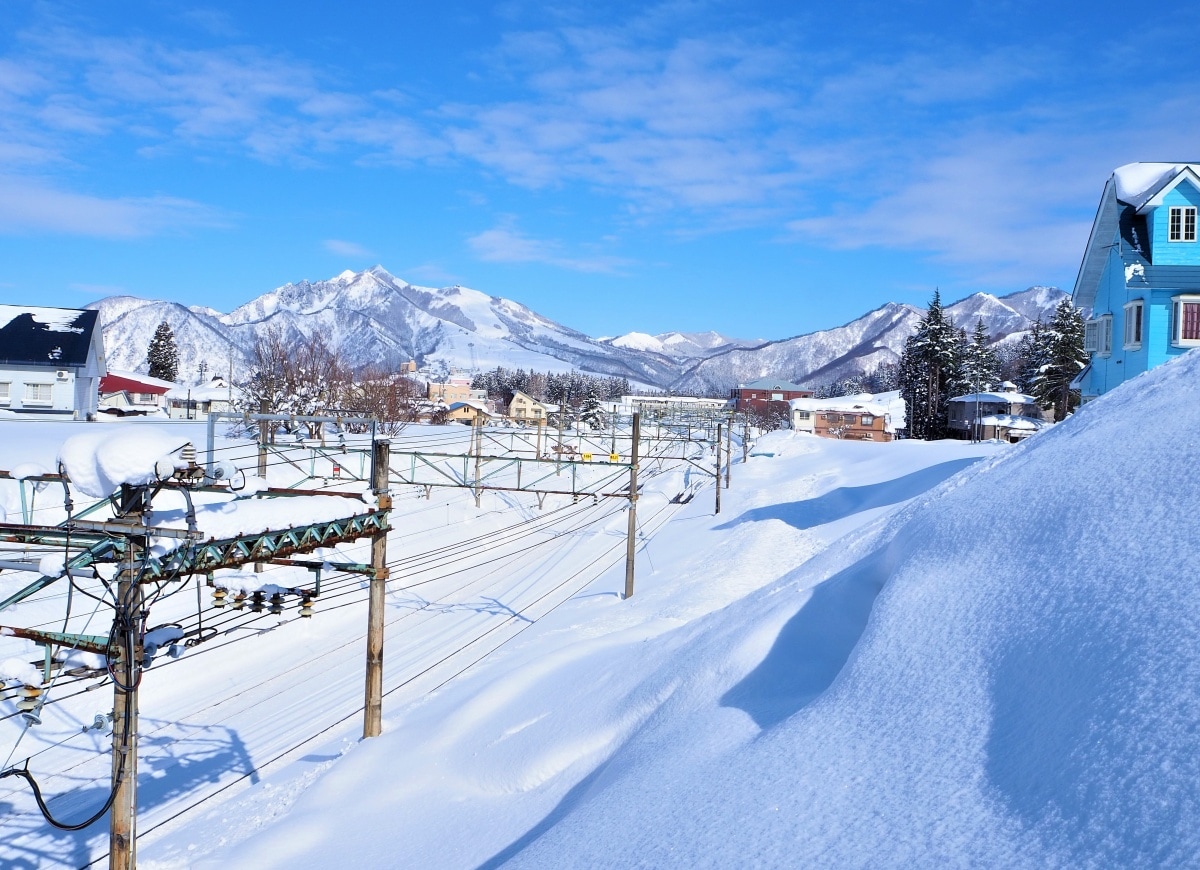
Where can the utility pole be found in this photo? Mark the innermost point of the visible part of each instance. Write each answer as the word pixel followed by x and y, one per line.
pixel 728 449
pixel 373 705
pixel 631 539
pixel 122 851
pixel 262 457
pixel 477 443
pixel 745 441
pixel 718 486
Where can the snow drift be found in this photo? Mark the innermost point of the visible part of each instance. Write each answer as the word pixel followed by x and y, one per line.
pixel 1022 692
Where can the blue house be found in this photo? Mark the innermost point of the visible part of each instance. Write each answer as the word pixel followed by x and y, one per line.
pixel 1140 276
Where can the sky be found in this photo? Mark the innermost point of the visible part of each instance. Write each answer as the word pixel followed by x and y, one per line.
pixel 762 169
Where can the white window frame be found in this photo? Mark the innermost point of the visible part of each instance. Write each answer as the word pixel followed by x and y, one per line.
pixel 867 420
pixel 1177 304
pixel 1181 223
pixel 1135 324
pixel 5 392
pixel 803 415
pixel 31 391
pixel 1097 335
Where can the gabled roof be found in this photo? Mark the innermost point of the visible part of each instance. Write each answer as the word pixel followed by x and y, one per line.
pixel 1132 188
pixel 132 382
pixel 773 384
pixel 51 337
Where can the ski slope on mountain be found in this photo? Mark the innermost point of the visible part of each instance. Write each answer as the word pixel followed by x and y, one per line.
pixel 1002 673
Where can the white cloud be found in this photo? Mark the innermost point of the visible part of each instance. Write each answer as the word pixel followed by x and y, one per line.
pixel 504 244
pixel 346 249
pixel 29 206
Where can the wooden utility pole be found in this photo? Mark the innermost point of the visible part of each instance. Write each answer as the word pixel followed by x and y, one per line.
pixel 631 539
pixel 718 486
pixel 728 450
pixel 122 850
pixel 373 705
pixel 745 441
pixel 262 456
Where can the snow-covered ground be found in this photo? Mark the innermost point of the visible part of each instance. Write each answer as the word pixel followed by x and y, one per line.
pixel 897 654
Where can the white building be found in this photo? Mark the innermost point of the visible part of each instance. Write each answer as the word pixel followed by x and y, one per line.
pixel 51 362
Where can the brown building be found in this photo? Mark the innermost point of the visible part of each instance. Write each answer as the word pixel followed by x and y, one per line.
pixel 758 395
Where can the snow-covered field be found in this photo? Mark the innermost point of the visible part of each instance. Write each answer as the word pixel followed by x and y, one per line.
pixel 901 654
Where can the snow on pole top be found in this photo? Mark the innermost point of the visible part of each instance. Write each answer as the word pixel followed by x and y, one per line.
pixel 99 462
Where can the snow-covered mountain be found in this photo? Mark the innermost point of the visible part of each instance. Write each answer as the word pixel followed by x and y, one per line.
pixel 372 317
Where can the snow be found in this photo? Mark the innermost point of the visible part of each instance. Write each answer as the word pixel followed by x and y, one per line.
pixel 22 470
pixel 54 319
pixel 638 341
pixel 99 462
pixel 17 671
pixel 1136 181
pixel 902 654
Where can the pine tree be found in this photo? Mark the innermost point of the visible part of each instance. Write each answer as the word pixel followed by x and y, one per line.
pixel 980 368
pixel 163 355
pixel 1064 357
pixel 927 368
pixel 592 414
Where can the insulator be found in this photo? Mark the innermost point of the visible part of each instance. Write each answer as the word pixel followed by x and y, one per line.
pixel 276 604
pixel 306 607
pixel 239 601
pixel 218 595
pixel 256 602
pixel 29 698
pixel 188 453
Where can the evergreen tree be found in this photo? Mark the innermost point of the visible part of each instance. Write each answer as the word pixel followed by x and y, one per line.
pixel 980 368
pixel 927 368
pixel 163 355
pixel 1064 357
pixel 592 414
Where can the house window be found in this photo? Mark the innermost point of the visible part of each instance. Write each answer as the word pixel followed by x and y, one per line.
pixel 5 392
pixel 803 415
pixel 145 398
pixel 776 397
pixel 1097 335
pixel 1133 325
pixel 37 394
pixel 1181 223
pixel 868 420
pixel 1185 321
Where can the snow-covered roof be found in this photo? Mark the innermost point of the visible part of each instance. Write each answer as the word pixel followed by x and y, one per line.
pixel 1013 421
pixel 887 405
pixel 772 384
pixel 51 337
pixel 1005 398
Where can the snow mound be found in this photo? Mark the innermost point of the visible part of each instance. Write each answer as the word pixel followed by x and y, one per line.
pixel 99 462
pixel 1024 694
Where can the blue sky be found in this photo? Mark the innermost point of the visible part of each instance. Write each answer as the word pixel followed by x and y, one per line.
pixel 763 169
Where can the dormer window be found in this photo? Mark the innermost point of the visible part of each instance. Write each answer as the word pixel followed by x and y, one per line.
pixel 1181 223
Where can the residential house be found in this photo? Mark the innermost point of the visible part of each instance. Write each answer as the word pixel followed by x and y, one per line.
pixel 451 390
pixel 758 395
pixel 1005 415
pixel 128 394
pixel 51 362
pixel 1140 275
pixel 468 412
pixel 196 403
pixel 861 417
pixel 524 408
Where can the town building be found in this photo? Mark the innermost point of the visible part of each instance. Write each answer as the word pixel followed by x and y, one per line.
pixel 1006 415
pixel 861 417
pixel 51 362
pixel 1139 280
pixel 757 396
pixel 129 394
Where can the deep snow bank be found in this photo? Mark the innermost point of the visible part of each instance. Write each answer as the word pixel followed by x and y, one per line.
pixel 1027 692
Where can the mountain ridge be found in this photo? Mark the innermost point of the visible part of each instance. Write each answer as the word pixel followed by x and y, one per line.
pixel 372 317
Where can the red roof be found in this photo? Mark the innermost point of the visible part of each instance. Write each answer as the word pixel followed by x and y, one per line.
pixel 122 384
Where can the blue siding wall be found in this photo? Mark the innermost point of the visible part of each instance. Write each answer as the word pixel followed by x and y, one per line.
pixel 1163 252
